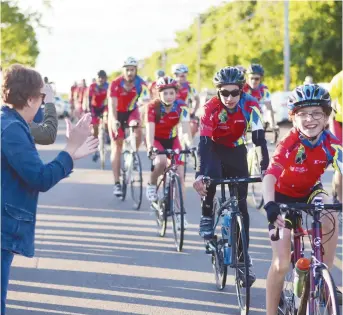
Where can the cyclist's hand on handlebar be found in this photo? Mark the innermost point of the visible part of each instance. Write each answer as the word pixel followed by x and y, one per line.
pixel 274 214
pixel 152 153
pixel 200 186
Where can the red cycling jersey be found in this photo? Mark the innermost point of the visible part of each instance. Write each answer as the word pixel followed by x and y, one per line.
pixel 81 92
pixel 298 165
pixel 98 95
pixel 166 128
pixel 127 100
pixel 261 93
pixel 229 128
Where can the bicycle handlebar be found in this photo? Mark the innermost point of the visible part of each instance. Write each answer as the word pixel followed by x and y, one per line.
pixel 298 207
pixel 173 152
pixel 231 180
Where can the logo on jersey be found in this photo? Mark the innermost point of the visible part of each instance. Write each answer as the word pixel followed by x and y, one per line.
pixel 223 116
pixel 301 155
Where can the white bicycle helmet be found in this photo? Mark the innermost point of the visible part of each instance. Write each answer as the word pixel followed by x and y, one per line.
pixel 130 62
pixel 179 68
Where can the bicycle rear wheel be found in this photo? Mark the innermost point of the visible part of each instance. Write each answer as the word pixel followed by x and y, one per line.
pixel 177 211
pixel 241 263
pixel 160 208
pixel 325 295
pixel 256 188
pixel 219 268
pixel 136 181
pixel 289 302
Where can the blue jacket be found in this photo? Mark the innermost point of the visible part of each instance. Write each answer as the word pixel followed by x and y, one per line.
pixel 23 176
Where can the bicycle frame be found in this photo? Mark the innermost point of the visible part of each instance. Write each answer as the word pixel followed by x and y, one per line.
pixel 130 146
pixel 315 234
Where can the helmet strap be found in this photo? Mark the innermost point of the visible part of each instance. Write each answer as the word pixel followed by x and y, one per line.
pixel 312 139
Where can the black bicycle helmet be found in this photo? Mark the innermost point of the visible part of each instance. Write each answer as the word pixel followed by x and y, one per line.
pixel 102 74
pixel 227 76
pixel 255 68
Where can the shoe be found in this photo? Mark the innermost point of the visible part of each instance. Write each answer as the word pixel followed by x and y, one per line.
pixel 178 222
pixel 206 227
pixel 339 296
pixel 151 193
pixel 117 190
pixel 96 156
pixel 251 277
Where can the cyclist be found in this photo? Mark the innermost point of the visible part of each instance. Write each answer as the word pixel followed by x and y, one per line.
pixel 336 125
pixel 126 93
pixel 72 99
pixel 97 95
pixel 187 93
pixel 152 87
pixel 258 90
pixel 294 176
pixel 81 93
pixel 222 151
pixel 163 117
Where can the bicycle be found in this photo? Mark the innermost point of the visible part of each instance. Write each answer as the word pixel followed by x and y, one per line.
pixel 318 289
pixel 186 162
pixel 170 200
pixel 131 168
pixel 231 248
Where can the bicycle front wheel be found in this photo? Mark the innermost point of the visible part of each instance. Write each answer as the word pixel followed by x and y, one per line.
pixel 136 181
pixel 242 263
pixel 177 211
pixel 325 295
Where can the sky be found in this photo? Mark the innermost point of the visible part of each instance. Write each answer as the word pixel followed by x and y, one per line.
pixel 88 35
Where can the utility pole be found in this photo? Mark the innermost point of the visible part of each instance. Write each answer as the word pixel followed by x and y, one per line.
pixel 286 48
pixel 199 54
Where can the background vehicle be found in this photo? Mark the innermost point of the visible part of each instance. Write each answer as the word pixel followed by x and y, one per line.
pixel 279 103
pixel 62 107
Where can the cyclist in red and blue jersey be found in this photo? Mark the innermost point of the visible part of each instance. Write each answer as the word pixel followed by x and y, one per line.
pixel 127 93
pixel 257 89
pixel 222 152
pixel 164 115
pixel 294 176
pixel 97 95
pixel 187 93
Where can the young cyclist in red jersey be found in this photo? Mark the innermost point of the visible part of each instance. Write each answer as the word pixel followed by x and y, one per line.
pixel 97 95
pixel 187 93
pixel 294 176
pixel 257 89
pixel 126 93
pixel 164 115
pixel 222 152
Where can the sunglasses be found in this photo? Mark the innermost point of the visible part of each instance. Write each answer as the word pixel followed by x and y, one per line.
pixel 255 78
pixel 227 93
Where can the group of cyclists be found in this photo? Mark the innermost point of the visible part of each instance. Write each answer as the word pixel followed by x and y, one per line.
pixel 169 108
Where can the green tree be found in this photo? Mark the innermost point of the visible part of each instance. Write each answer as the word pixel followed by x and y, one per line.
pixel 243 32
pixel 18 37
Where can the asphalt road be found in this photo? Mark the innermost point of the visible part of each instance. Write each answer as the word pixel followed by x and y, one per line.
pixel 95 255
